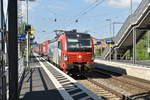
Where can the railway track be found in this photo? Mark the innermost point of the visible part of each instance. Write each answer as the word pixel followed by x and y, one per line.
pixel 113 86
pixel 101 90
pixel 126 79
pixel 132 86
pixel 143 84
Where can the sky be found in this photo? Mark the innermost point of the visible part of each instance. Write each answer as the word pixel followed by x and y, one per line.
pixel 91 16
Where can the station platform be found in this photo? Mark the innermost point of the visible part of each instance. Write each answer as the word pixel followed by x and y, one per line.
pixel 46 82
pixel 135 70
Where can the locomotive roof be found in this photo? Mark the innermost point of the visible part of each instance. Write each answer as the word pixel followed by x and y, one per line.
pixel 81 35
pixel 71 34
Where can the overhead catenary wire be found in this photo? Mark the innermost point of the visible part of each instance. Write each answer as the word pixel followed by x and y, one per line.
pixel 85 11
pixel 97 3
pixel 45 36
pixel 81 13
pixel 86 8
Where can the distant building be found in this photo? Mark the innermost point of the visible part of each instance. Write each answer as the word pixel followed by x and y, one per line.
pixel 99 43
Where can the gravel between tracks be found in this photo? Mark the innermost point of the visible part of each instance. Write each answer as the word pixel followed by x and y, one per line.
pixel 98 90
pixel 129 90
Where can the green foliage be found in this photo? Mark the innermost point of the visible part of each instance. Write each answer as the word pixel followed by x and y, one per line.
pixel 128 54
pixel 142 47
pixel 98 52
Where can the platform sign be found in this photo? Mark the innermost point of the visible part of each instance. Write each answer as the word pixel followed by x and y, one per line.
pixel 98 42
pixel 110 45
pixel 22 37
pixel 109 42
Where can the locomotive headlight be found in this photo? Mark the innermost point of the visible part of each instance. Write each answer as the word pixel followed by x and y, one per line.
pixel 65 57
pixel 79 56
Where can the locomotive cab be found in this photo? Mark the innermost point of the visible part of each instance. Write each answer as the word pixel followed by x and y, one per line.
pixel 73 52
pixel 79 56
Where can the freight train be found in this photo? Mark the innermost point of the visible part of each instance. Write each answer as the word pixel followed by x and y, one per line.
pixel 42 49
pixel 72 52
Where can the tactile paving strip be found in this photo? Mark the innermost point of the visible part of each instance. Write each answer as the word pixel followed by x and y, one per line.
pixel 69 88
pixel 75 92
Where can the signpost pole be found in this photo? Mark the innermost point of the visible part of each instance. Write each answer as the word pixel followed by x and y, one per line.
pixel 27 55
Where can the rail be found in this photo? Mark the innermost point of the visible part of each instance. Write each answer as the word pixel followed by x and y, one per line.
pixel 138 84
pixel 108 89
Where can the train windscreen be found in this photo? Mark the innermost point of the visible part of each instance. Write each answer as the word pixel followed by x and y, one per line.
pixel 79 42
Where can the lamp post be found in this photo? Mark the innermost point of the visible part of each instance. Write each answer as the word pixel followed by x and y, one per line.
pixel 134 34
pixel 27 20
pixel 114 27
pixel 110 21
pixel 115 49
pixel 131 7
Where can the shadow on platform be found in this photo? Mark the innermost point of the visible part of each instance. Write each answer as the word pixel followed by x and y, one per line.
pixel 42 95
pixel 35 85
pixel 119 71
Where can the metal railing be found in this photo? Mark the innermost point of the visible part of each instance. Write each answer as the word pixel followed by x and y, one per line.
pixel 131 20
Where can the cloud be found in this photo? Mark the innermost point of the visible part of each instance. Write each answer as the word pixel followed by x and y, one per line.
pixel 122 3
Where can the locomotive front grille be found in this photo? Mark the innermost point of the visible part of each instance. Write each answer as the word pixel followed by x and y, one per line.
pixel 79 58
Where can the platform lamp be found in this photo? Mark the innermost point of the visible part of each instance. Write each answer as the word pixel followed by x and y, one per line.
pixel 131 6
pixel 114 27
pixel 110 22
pixel 115 49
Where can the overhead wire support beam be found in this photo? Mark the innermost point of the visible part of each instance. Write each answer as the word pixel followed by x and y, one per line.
pixel 13 49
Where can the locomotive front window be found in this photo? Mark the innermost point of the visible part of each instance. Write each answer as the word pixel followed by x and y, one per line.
pixel 79 44
pixel 85 43
pixel 73 43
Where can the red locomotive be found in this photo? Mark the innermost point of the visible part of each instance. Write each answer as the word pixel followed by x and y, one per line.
pixel 73 52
